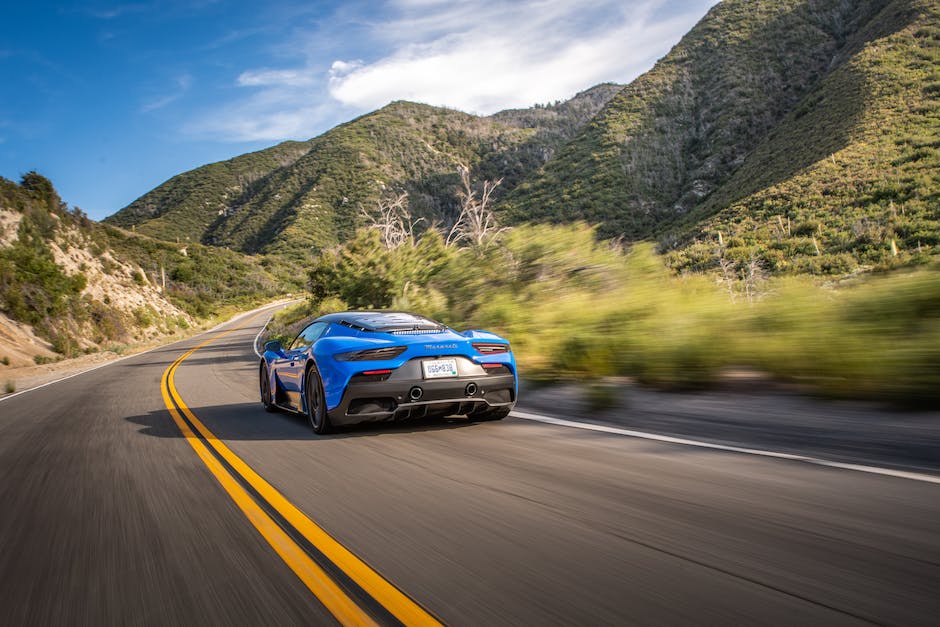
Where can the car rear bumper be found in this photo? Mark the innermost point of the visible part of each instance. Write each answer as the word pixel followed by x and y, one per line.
pixel 372 401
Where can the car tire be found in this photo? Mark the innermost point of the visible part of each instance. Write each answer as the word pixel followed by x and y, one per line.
pixel 497 413
pixel 265 387
pixel 316 411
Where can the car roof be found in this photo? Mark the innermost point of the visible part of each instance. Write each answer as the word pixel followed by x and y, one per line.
pixel 383 321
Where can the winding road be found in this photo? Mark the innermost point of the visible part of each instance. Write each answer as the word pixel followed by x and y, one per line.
pixel 155 490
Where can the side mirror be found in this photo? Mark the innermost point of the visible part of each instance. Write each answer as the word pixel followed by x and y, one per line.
pixel 274 346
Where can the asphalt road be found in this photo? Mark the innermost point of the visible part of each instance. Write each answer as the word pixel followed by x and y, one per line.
pixel 109 516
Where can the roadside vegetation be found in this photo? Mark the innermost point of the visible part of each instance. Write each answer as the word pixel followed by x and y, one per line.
pixel 576 308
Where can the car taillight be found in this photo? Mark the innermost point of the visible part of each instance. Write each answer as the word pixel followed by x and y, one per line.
pixel 371 354
pixel 490 349
pixel 370 373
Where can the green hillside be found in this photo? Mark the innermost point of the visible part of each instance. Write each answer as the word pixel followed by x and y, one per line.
pixel 851 177
pixel 821 111
pixel 189 203
pixel 302 195
pixel 317 200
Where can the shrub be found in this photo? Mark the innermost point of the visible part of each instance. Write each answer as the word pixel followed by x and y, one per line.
pixel 575 308
pixel 64 344
pixel 600 397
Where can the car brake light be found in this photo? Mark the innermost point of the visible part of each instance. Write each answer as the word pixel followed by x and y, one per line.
pixel 376 372
pixel 491 349
pixel 491 366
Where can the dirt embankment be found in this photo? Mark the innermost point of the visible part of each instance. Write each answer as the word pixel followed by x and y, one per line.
pixel 142 316
pixel 19 346
pixel 27 360
pixel 22 348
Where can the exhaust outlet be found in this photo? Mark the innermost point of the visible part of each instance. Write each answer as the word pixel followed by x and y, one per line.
pixel 415 393
pixel 471 389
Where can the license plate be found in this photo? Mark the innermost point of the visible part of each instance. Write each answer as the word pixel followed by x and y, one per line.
pixel 440 368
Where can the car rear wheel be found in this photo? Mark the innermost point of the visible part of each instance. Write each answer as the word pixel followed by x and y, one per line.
pixel 492 414
pixel 316 405
pixel 265 384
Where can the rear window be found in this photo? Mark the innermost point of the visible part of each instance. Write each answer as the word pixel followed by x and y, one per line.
pixel 391 321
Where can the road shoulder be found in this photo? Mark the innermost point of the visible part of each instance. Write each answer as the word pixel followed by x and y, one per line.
pixel 764 418
pixel 24 378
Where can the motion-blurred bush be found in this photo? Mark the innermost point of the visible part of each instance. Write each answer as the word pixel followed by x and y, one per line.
pixel 577 308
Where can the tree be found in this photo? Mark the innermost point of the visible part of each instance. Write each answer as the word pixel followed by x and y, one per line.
pixel 393 222
pixel 41 188
pixel 476 223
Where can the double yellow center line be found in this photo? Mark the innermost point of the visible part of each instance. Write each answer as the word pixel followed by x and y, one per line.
pixel 270 512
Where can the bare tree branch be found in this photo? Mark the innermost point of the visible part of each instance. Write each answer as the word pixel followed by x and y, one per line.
pixel 727 276
pixel 754 276
pixel 393 221
pixel 476 223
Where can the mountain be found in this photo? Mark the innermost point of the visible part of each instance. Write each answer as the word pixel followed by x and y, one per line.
pixel 796 128
pixel 851 176
pixel 301 195
pixel 79 285
pixel 188 203
pixel 797 136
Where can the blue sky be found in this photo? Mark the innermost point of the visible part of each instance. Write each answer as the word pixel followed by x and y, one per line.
pixel 109 100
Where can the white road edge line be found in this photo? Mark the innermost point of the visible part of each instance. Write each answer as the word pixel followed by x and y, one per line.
pixel 254 343
pixel 875 470
pixel 119 359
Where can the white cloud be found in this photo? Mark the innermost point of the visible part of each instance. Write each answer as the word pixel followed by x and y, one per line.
pixel 265 78
pixel 182 84
pixel 494 57
pixel 159 103
pixel 341 68
pixel 479 56
pixel 269 126
pixel 111 13
pixel 272 114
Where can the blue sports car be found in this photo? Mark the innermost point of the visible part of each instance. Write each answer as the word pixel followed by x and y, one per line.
pixel 360 366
